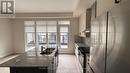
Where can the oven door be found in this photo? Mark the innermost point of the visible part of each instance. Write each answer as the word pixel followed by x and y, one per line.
pixel 81 58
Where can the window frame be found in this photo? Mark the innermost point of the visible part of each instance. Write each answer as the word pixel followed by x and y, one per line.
pixel 68 26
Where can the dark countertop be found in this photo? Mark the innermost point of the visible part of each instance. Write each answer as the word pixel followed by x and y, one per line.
pixel 83 48
pixel 30 59
pixel 82 45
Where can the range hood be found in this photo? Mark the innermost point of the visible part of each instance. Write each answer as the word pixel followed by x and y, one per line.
pixel 87 30
pixel 88 24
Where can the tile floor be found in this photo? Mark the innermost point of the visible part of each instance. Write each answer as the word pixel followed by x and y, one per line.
pixel 68 64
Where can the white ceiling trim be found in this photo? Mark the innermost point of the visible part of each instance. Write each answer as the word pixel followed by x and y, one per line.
pixel 76 4
pixel 39 6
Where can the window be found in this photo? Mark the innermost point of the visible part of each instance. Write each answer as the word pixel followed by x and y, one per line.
pixel 52 33
pixel 41 38
pixel 64 36
pixel 52 40
pixel 64 22
pixel 41 34
pixel 45 33
pixel 64 33
pixel 29 35
pixel 30 38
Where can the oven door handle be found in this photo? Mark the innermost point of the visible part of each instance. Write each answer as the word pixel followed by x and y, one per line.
pixel 79 53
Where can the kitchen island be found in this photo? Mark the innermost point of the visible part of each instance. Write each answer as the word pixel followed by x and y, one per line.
pixel 33 62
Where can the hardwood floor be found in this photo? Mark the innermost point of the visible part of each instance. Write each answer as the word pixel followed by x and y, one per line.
pixel 68 64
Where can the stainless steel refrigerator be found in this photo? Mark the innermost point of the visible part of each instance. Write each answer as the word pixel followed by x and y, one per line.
pixel 110 41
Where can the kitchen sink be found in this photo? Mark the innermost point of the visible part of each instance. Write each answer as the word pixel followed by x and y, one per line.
pixel 47 51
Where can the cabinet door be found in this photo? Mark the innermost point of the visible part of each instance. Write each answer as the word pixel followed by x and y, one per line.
pixel 28 70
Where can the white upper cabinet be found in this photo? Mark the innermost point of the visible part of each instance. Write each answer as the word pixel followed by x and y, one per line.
pixel 82 24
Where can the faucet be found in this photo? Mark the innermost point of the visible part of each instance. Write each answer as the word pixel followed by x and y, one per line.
pixel 42 48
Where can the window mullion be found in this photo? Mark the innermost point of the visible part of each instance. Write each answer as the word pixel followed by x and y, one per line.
pixel 35 31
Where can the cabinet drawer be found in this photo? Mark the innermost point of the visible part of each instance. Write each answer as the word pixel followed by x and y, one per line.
pixel 28 70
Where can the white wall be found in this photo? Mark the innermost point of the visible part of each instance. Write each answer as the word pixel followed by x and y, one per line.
pixel 6 39
pixel 18 35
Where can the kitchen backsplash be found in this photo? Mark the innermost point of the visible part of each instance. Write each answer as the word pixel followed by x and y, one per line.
pixel 78 39
pixel 84 40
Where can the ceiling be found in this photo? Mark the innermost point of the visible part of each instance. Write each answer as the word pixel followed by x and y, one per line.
pixel 77 7
pixel 38 6
pixel 82 6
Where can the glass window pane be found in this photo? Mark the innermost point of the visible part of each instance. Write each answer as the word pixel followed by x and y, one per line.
pixel 64 40
pixel 41 28
pixel 29 23
pixel 29 29
pixel 30 38
pixel 29 35
pixel 51 29
pixel 64 37
pixel 64 22
pixel 51 22
pixel 42 38
pixel 41 23
pixel 52 40
pixel 63 29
